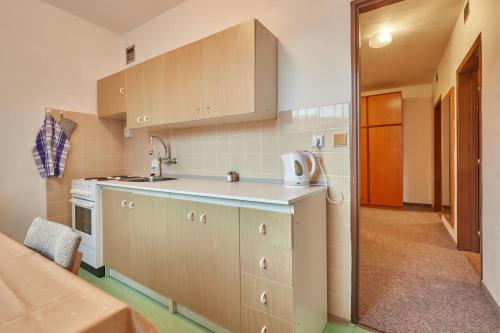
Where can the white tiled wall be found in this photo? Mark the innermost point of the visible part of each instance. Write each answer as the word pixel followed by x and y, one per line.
pixel 253 149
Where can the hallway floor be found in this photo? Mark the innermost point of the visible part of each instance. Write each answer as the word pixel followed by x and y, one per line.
pixel 413 279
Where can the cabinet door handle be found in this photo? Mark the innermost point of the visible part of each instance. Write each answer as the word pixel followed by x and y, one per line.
pixel 131 205
pixel 203 218
pixel 139 120
pixel 146 118
pixel 263 298
pixel 263 330
pixel 124 203
pixel 122 91
pixel 262 229
pixel 190 216
pixel 263 263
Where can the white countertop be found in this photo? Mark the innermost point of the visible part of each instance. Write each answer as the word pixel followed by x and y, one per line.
pixel 243 191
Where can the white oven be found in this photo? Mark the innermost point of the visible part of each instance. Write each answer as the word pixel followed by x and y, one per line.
pixel 84 217
pixel 86 222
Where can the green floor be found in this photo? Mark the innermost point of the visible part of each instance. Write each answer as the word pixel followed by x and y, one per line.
pixel 158 313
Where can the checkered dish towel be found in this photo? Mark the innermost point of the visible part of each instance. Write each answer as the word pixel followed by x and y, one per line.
pixel 51 149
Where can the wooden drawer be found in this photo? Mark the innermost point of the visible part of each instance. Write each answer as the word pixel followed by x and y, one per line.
pixel 267 296
pixel 266 227
pixel 270 262
pixel 256 322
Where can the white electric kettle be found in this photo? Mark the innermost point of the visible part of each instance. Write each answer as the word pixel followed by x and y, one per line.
pixel 296 168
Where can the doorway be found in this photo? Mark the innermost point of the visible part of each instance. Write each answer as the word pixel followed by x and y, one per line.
pixel 412 253
pixel 469 151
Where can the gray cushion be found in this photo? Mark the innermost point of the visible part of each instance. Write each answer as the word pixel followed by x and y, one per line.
pixel 55 241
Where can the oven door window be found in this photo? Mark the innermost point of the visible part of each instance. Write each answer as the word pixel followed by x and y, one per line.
pixel 83 219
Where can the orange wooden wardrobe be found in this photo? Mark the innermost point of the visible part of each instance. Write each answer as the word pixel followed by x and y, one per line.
pixel 381 150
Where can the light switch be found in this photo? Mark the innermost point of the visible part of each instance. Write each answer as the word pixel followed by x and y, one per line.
pixel 340 139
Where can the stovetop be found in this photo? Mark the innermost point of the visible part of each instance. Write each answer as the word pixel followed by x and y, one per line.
pixel 100 179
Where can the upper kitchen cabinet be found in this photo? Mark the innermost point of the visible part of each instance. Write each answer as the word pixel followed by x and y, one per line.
pixel 239 73
pixel 183 84
pixel 111 96
pixel 228 72
pixel 227 77
pixel 146 93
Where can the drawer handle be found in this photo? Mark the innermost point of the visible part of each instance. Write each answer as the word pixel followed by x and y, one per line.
pixel 262 229
pixel 190 216
pixel 122 91
pixel 203 218
pixel 131 205
pixel 139 120
pixel 263 263
pixel 263 298
pixel 146 118
pixel 263 330
pixel 124 203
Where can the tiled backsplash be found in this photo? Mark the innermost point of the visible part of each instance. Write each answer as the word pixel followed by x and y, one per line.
pixel 253 149
pixel 96 149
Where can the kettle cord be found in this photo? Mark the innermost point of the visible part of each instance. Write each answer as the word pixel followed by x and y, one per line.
pixel 317 150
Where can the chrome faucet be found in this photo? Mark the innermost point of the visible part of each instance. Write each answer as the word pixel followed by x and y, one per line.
pixel 166 159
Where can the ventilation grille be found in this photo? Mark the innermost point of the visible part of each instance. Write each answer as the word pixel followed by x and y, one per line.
pixel 130 54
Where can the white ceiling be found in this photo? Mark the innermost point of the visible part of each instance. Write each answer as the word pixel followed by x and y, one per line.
pixel 119 16
pixel 421 30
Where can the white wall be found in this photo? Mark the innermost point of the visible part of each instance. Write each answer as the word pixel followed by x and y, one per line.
pixel 483 19
pixel 49 58
pixel 314 41
pixel 417 141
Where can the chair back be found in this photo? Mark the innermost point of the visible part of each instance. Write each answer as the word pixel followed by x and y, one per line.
pixel 54 241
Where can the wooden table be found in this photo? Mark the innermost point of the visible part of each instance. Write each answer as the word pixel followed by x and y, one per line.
pixel 36 295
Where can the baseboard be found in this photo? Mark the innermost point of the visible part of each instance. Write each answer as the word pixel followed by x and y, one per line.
pixel 338 320
pixel 418 206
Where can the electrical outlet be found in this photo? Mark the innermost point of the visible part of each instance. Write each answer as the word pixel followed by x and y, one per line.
pixel 127 132
pixel 317 141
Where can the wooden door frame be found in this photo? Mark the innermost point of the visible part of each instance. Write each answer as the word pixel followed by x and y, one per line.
pixel 357 8
pixel 452 114
pixel 438 185
pixel 476 47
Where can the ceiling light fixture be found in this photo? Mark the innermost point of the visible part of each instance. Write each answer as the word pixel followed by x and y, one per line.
pixel 380 39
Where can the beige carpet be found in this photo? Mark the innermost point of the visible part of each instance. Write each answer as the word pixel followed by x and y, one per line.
pixel 412 278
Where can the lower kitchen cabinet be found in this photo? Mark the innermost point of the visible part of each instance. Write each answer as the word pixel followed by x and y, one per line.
pixel 204 255
pixel 244 269
pixel 116 230
pixel 135 236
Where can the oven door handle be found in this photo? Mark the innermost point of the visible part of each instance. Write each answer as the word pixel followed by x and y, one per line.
pixel 82 203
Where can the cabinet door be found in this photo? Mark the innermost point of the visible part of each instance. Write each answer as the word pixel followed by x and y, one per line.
pixel 364 166
pixel 148 238
pixel 385 109
pixel 111 96
pixel 181 251
pixel 217 262
pixel 204 260
pixel 183 84
pixel 116 230
pixel 154 91
pixel 135 96
pixel 386 165
pixel 228 71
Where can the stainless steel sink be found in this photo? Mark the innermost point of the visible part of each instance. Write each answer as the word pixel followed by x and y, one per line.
pixel 152 179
